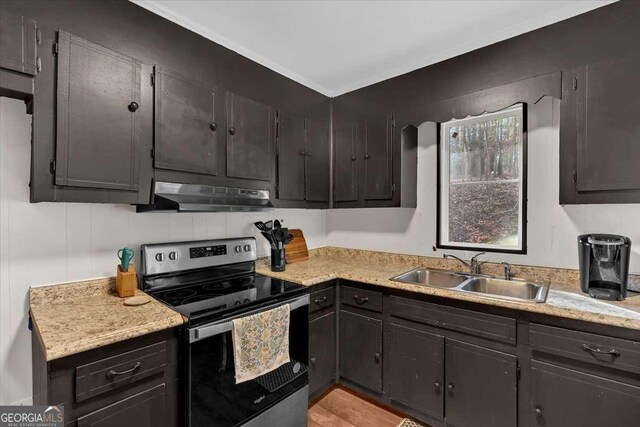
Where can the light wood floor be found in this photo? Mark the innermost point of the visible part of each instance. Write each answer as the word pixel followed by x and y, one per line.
pixel 341 408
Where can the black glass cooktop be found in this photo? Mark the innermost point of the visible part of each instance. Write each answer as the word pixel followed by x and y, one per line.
pixel 203 300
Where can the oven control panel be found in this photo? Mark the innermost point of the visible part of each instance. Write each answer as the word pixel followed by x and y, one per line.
pixel 204 251
pixel 160 258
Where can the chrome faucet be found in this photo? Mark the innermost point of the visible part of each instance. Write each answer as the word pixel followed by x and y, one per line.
pixel 507 271
pixel 473 265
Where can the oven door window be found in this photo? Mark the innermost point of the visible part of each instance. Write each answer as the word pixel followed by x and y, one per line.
pixel 216 399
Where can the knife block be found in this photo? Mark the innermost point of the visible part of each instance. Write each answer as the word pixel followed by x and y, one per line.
pixel 126 282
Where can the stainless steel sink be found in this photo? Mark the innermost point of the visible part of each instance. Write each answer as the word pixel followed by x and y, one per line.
pixel 429 277
pixel 512 290
pixel 517 290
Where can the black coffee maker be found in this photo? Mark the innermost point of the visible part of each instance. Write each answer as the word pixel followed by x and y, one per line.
pixel 604 265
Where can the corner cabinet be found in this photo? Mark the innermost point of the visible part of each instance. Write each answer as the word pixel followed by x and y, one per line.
pixel 361 350
pixel 303 159
pixel 322 339
pixel 599 133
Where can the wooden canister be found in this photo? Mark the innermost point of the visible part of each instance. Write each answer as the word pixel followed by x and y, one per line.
pixel 126 282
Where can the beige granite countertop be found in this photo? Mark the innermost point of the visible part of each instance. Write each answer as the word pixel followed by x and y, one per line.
pixel 564 299
pixel 75 317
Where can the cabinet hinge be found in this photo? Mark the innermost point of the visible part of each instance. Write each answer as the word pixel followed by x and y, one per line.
pixel 38 36
pixel 575 176
pixel 55 48
pixel 575 83
pixel 153 153
pixel 518 371
pixel 38 64
pixel 153 79
pixel 52 166
pixel 393 123
pixel 393 188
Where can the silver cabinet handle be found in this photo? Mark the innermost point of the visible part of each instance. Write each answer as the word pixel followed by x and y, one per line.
pixel 613 352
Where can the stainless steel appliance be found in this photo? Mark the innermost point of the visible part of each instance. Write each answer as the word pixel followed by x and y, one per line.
pixel 604 265
pixel 212 282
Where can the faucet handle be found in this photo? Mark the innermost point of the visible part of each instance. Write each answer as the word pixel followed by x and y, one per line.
pixel 477 255
pixel 507 270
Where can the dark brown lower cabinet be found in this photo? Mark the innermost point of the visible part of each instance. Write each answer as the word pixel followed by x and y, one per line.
pixel 569 398
pixel 322 353
pixel 480 385
pixel 142 409
pixel 361 350
pixel 416 369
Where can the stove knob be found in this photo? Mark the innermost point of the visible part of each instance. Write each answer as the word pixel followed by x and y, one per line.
pixel 173 256
pixel 247 248
pixel 238 248
pixel 159 257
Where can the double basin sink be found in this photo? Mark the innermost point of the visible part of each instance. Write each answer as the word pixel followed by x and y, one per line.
pixel 512 290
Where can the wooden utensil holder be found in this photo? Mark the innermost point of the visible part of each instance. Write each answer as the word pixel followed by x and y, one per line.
pixel 126 282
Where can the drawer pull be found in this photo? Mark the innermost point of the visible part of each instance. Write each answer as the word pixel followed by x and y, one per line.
pixel 320 301
pixel 113 373
pixel 361 300
pixel 613 352
pixel 538 412
pixel 436 386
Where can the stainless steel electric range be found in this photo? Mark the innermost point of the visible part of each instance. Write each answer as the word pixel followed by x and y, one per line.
pixel 211 282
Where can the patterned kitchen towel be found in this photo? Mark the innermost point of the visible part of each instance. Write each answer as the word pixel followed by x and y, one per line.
pixel 260 343
pixel 407 422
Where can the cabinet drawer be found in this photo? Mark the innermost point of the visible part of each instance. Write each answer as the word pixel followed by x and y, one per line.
pixel 119 371
pixel 601 350
pixel 480 324
pixel 321 299
pixel 361 298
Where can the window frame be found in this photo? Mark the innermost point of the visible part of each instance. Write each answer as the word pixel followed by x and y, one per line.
pixel 441 127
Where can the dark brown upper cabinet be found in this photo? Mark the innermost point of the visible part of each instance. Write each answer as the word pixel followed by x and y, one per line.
pixel 187 128
pixel 250 129
pixel 599 133
pixel 303 159
pixel 291 157
pixel 317 161
pixel 345 158
pixel 18 43
pixel 98 104
pixel 470 369
pixel 378 158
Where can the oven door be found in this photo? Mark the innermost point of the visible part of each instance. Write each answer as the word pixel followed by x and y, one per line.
pixel 214 398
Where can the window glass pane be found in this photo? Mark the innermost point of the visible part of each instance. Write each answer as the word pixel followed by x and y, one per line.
pixel 483 180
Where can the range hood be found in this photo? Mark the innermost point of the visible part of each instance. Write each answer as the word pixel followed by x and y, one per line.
pixel 170 196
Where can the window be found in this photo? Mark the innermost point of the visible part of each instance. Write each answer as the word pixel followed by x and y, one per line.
pixel 482 182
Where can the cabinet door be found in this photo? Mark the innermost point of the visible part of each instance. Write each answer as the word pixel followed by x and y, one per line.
pixel 361 350
pixel 481 386
pixel 322 353
pixel 608 129
pixel 97 124
pixel 291 157
pixel 144 409
pixel 378 158
pixel 317 167
pixel 17 43
pixel 345 163
pixel 186 126
pixel 250 127
pixel 568 398
pixel 416 369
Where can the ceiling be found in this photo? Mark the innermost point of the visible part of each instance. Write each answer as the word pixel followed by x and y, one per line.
pixel 339 46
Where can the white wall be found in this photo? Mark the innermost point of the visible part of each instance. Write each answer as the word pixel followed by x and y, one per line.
pixel 552 229
pixel 48 243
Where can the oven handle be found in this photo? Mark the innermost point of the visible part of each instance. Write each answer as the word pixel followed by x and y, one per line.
pixel 203 332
